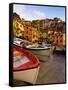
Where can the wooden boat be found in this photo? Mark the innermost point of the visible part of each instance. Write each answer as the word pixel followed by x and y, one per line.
pixel 44 53
pixel 25 65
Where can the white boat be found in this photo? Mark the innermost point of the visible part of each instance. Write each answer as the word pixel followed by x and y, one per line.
pixel 43 53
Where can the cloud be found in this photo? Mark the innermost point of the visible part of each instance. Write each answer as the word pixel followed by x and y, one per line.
pixel 39 14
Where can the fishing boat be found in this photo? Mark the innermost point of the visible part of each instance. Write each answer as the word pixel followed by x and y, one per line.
pixel 44 53
pixel 25 65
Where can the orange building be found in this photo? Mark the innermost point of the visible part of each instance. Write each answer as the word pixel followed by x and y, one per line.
pixel 28 33
pixel 55 38
pixel 59 38
pixel 64 41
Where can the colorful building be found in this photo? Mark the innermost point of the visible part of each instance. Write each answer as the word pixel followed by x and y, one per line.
pixel 35 35
pixel 59 38
pixel 18 27
pixel 40 30
pixel 28 33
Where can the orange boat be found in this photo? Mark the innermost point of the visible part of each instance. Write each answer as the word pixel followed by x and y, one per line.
pixel 25 65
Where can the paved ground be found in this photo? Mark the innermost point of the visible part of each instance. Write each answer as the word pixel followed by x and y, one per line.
pixel 51 71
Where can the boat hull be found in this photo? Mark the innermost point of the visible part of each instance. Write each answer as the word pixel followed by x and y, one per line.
pixel 43 55
pixel 29 75
pixel 27 72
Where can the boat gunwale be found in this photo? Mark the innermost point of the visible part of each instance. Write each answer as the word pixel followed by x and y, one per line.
pixel 34 65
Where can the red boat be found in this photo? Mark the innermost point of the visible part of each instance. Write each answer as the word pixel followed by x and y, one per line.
pixel 25 65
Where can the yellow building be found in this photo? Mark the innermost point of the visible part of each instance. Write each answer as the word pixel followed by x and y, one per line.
pixel 35 35
pixel 18 28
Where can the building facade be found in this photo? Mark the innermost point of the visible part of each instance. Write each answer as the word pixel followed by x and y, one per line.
pixel 18 27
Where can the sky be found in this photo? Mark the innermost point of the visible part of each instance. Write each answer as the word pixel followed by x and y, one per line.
pixel 32 12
